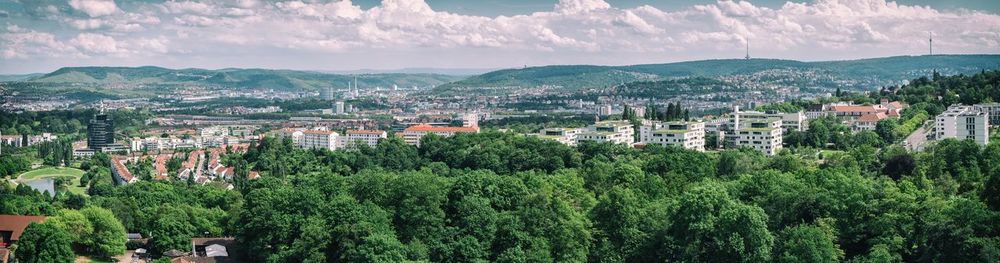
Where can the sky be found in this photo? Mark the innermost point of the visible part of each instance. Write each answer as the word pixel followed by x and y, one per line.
pixel 44 35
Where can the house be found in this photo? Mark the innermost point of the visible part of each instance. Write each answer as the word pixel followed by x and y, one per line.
pixel 120 173
pixel 12 226
pixel 868 122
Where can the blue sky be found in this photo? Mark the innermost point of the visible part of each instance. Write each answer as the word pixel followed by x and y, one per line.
pixel 43 35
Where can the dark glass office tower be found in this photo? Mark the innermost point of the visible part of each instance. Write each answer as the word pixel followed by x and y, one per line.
pixel 100 132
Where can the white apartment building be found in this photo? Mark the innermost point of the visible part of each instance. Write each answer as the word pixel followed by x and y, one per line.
pixel 993 109
pixel 313 139
pixel 685 134
pixel 294 134
pixel 470 120
pixel 413 134
pixel 367 137
pixel 608 131
pixel 565 136
pixel 762 135
pixel 964 123
pixel 795 121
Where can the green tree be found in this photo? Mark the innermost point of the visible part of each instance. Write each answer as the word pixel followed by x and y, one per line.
pixel 710 226
pixel 886 129
pixel 807 243
pixel 76 225
pixel 44 243
pixel 108 238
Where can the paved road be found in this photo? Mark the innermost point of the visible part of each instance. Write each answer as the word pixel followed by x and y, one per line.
pixel 917 140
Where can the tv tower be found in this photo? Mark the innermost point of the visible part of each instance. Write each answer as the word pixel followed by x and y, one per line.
pixel 930 43
pixel 748 47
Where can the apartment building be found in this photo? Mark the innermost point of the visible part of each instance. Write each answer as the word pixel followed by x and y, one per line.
pixel 314 139
pixel 565 136
pixel 413 134
pixel 795 121
pixel 764 135
pixel 608 131
pixel 367 137
pixel 993 111
pixel 964 123
pixel 685 134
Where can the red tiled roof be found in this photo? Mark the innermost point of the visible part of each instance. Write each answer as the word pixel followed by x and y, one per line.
pixel 122 170
pixel 872 117
pixel 253 175
pixel 852 108
pixel 428 128
pixel 16 224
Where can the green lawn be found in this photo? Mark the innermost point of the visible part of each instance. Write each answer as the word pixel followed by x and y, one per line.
pixel 52 172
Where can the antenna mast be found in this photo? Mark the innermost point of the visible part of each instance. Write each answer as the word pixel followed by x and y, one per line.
pixel 748 47
pixel 930 43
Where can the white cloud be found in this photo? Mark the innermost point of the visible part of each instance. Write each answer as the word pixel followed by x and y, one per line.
pixel 95 43
pixel 94 8
pixel 573 27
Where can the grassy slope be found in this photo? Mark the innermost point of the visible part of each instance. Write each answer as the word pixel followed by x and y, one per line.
pixel 52 172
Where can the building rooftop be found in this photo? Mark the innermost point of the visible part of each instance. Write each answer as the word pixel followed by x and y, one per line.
pixel 428 128
pixel 375 132
pixel 16 225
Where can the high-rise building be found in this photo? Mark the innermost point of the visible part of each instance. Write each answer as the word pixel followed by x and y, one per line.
pixel 100 132
pixel 326 93
pixel 963 123
pixel 338 107
pixel 470 120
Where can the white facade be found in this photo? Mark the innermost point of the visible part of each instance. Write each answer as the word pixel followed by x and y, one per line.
pixel 339 107
pixel 795 121
pixel 367 137
pixel 963 123
pixel 761 135
pixel 294 134
pixel 470 120
pixel 684 134
pixel 993 109
pixel 413 134
pixel 313 139
pixel 565 136
pixel 608 131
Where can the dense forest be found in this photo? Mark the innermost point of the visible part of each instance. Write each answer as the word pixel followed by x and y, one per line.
pixel 509 198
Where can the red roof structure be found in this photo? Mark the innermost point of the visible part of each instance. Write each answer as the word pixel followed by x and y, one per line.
pixel 12 226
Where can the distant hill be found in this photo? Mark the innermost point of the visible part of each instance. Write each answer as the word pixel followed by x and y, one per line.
pixel 18 77
pixel 235 78
pixel 860 74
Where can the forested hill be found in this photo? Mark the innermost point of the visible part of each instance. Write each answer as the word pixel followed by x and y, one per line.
pixel 864 73
pixel 235 78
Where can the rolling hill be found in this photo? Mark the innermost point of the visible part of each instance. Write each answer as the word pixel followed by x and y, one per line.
pixel 234 78
pixel 860 74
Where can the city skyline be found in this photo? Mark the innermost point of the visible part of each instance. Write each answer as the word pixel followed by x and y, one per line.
pixel 41 36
